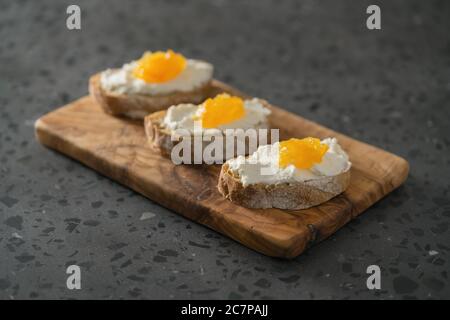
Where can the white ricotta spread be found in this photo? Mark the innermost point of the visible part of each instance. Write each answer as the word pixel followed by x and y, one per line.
pixel 262 166
pixel 122 81
pixel 183 116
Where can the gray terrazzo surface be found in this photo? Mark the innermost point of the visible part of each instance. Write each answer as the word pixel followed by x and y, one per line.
pixel 390 88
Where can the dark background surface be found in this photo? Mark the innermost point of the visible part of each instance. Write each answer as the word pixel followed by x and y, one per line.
pixel 390 88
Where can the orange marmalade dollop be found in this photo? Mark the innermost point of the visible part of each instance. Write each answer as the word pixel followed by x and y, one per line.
pixel 158 67
pixel 221 110
pixel 302 153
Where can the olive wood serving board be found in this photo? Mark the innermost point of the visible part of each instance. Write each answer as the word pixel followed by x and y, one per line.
pixel 118 149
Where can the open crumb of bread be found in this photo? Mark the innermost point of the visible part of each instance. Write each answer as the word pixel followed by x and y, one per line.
pixel 290 196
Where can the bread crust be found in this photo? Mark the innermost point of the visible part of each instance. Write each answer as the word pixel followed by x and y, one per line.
pixel 158 136
pixel 137 106
pixel 161 138
pixel 289 196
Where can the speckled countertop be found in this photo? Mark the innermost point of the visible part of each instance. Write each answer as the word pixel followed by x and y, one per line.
pixel 390 88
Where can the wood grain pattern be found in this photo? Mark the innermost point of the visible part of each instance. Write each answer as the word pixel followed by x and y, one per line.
pixel 118 149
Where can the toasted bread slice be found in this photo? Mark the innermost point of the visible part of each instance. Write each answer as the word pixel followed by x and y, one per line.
pixel 137 106
pixel 163 140
pixel 290 196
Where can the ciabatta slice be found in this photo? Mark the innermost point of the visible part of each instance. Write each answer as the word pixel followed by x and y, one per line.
pixel 291 196
pixel 137 106
pixel 163 139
